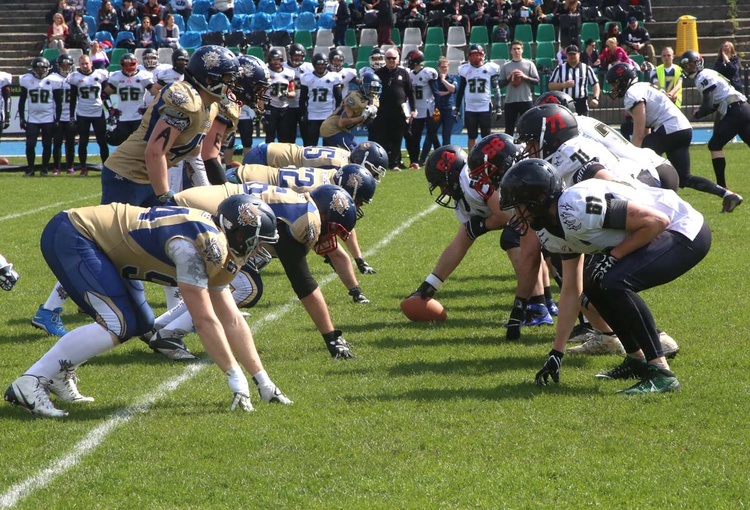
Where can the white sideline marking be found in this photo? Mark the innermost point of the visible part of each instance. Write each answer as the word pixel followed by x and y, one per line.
pixel 56 205
pixel 97 436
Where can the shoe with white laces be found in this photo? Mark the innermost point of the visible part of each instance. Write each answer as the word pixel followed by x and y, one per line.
pixel 668 345
pixel 171 346
pixel 600 343
pixel 63 386
pixel 630 368
pixel 730 202
pixel 28 392
pixel 272 394
pixel 49 321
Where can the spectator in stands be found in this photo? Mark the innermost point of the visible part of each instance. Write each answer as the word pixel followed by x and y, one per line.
pixel 522 76
pixel 183 7
pixel 499 16
pixel 145 35
pixel 613 30
pixel 78 5
pixel 168 34
pixel 570 7
pixel 546 11
pixel 78 33
pixel 128 16
pixel 613 54
pixel 635 39
pixel 590 56
pixel 574 78
pixel 63 8
pixel 646 4
pixel 524 15
pixel 225 6
pixel 57 33
pixel 479 13
pixel 107 18
pixel 99 58
pixel 412 16
pixel 342 18
pixel 154 10
pixel 728 64
pixel 668 76
pixel 457 15
pixel 445 99
pixel 569 20
pixel 385 20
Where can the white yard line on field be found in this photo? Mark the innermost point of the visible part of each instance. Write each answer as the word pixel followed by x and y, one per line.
pixel 56 206
pixel 96 437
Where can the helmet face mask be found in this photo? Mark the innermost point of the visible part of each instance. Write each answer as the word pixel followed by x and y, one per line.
pixel 336 59
pixel 620 78
pixel 377 58
pixel 476 55
pixel 371 85
pixel 275 60
pixel 358 182
pixel 530 187
pixel 414 59
pixel 338 216
pixel 442 170
pixel 371 156
pixel 40 67
pixel 320 64
pixel 150 59
pixel 246 221
pixel 548 125
pixel 692 63
pixel 213 69
pixel 252 81
pixel 296 55
pixel 129 64
pixel 65 64
pixel 488 161
pixel 180 59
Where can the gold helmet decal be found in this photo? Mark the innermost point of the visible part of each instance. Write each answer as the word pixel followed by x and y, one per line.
pixel 249 215
pixel 354 181
pixel 211 59
pixel 339 203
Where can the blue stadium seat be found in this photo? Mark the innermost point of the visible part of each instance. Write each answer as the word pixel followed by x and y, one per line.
pixel 267 6
pixel 197 23
pixel 202 7
pixel 306 22
pixel 244 7
pixel 104 35
pixel 179 20
pixel 283 21
pixel 326 21
pixel 125 35
pixel 218 23
pixel 261 21
pixel 308 6
pixel 190 40
pixel 289 6
pixel 93 6
pixel 91 23
pixel 238 21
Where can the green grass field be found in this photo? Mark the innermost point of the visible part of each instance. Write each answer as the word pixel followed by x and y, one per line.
pixel 426 416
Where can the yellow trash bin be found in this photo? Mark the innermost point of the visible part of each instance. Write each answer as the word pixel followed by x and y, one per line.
pixel 687 35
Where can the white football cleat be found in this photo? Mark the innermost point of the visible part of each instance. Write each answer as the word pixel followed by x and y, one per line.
pixel 668 345
pixel 272 394
pixel 599 343
pixel 63 386
pixel 28 391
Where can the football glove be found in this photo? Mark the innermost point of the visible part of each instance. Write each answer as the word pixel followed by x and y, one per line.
pixel 425 291
pixel 8 277
pixel 243 401
pixel 6 122
pixel 166 199
pixel 364 267
pixel 475 227
pixel 272 394
pixel 337 346
pixel 370 112
pixel 238 384
pixel 598 267
pixel 551 368
pixel 114 112
pixel 498 112
pixel 22 123
pixel 358 296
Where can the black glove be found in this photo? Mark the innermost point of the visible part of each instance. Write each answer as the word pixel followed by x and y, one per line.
pixel 364 267
pixel 6 122
pixel 598 267
pixel 498 112
pixel 456 112
pixel 142 110
pixel 114 112
pixel 337 346
pixel 475 227
pixel 425 291
pixel 166 199
pixel 267 118
pixel 358 296
pixel 23 124
pixel 551 368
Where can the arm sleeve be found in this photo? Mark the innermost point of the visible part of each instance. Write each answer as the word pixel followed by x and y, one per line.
pixel 73 101
pixel 215 171
pixel 707 104
pixel 303 95
pixel 57 96
pixel 22 103
pixel 460 93
pixel 7 98
pixel 337 95
pixel 293 257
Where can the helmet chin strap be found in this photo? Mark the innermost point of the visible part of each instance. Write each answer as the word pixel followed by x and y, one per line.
pixel 541 136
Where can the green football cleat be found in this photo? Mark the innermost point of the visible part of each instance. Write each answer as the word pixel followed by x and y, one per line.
pixel 657 380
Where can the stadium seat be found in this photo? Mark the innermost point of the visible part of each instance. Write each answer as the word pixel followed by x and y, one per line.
pixel 75 54
pixel 363 53
pixel 321 49
pixel 499 50
pixel 351 37
pixel 360 64
pixel 91 23
pixel 260 22
pixel 256 51
pixel 324 38
pixel 637 58
pixel 545 33
pixel 266 6
pixel 51 54
pixel 453 65
pixel 455 53
pixel 606 27
pixel 197 23
pixel 306 22
pixel 289 6
pixel 179 20
pixel 238 21
pixel 435 35
pixel 432 52
pixel 245 7
pixel 282 21
pixel 545 50
pixel 113 68
pixel 406 48
pixel 218 22
pixel 116 55
pixel 190 40
pixel 590 30
pixel 527 49
pixel 545 64
pixel 368 37
pixel 325 21
pixel 523 33
pixel 479 35
pixel 412 36
pixel 308 6
pixel 202 7
pixel 456 36
pixel 93 6
pixel 396 36
pixel 139 53
pixel 304 37
pixel 165 55
pixel 348 54
pixel 431 63
pixel 105 36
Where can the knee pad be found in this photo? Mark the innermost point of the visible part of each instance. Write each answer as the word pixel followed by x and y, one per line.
pixel 509 239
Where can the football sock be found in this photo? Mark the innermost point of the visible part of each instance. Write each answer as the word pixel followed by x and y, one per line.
pixel 173 296
pixel 77 346
pixel 720 165
pixel 57 298
pixel 547 293
pixel 536 300
pixel 170 315
pixel 181 325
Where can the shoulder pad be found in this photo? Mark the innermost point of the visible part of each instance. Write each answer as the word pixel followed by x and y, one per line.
pixel 182 96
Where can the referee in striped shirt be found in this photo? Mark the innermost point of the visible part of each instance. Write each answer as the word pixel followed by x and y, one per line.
pixel 574 78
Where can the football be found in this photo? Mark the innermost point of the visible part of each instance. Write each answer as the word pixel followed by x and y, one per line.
pixel 4 161
pixel 417 309
pixel 517 80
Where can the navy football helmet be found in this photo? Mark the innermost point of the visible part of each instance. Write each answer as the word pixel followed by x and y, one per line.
pixel 213 69
pixel 358 182
pixel 442 170
pixel 557 97
pixel 548 126
pixel 150 59
pixel 377 58
pixel 275 60
pixel 338 216
pixel 320 64
pixel 40 67
pixel 371 85
pixel 295 55
pixel 488 161
pixel 373 157
pixel 252 81
pixel 620 77
pixel 180 59
pixel 246 221
pixel 535 184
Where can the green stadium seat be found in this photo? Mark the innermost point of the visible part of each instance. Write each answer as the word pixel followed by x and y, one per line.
pixel 479 35
pixel 523 33
pixel 606 27
pixel 363 53
pixel 432 52
pixel 637 58
pixel 590 30
pixel 113 68
pixel 117 54
pixel 499 50
pixel 256 51
pixel 545 33
pixel 527 49
pixel 435 35
pixel 304 38
pixel 545 50
pixel 545 63
pixel 51 54
pixel 431 63
pixel 396 36
pixel 351 37
pixel 360 65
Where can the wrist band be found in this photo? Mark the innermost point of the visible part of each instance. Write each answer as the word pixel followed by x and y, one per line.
pixel 434 281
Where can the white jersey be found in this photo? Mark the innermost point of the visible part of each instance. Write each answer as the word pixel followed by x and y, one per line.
pixel 65 86
pixel 424 99
pixel 277 91
pixel 583 225
pixel 660 110
pixel 347 76
pixel 320 101
pixel 303 69
pixel 247 113
pixel 5 81
pixel 478 92
pixel 629 154
pixel 573 155
pixel 472 204
pixel 40 105
pixel 722 94
pixel 167 76
pixel 130 92
pixel 89 102
pixel 148 97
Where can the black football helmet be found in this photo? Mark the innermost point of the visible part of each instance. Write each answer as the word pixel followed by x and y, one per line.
pixel 620 77
pixel 129 64
pixel 320 64
pixel 213 69
pixel 295 55
pixel 252 81
pixel 414 58
pixel 336 59
pixel 476 55
pixel 150 59
pixel 338 216
pixel 442 170
pixel 180 59
pixel 548 125
pixel 691 63
pixel 40 67
pixel 371 85
pixel 246 221
pixel 65 64
pixel 534 184
pixel 373 157
pixel 358 182
pixel 377 58
pixel 275 60
pixel 488 161
pixel 557 97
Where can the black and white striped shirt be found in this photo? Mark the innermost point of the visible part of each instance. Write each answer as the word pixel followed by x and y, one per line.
pixel 583 75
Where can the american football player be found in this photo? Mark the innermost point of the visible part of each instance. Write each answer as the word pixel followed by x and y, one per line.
pixel 483 94
pixel 289 154
pixel 373 157
pixel 424 83
pixel 336 61
pixel 296 55
pixel 357 108
pixel 281 90
pixel 127 86
pixel 87 108
pixel 320 95
pixel 5 100
pixel 66 131
pixel 42 113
